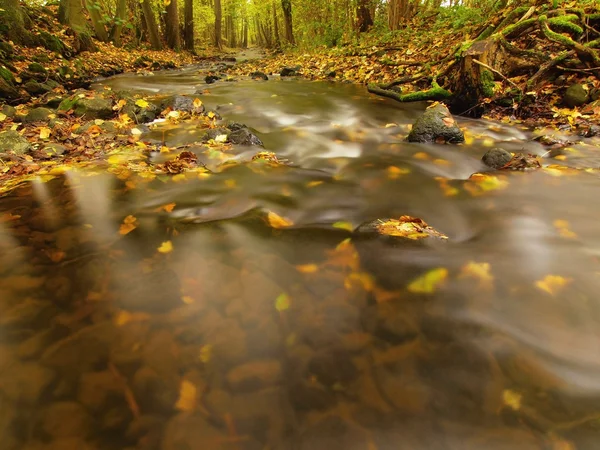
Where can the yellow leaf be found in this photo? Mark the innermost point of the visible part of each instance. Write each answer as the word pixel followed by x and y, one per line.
pixel 125 317
pixel 314 183
pixel 563 228
pixel 129 224
pixel 45 132
pixel 307 268
pixel 282 302
pixel 221 138
pixel 187 396
pixel 166 247
pixel 478 271
pixel 485 183
pixel 360 280
pixel 142 103
pixel 421 156
pixel 552 284
pixel 276 221
pixel 187 299
pixel 394 172
pixel 343 226
pixel 197 103
pixel 167 3
pixel 2 117
pixel 512 399
pixel 211 115
pixel 206 353
pixel 136 131
pixel 429 282
pixel 488 142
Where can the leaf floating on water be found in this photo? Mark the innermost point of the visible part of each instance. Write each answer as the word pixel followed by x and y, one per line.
pixel 168 207
pixel 478 271
pixel 307 268
pixel 480 183
pixel 197 103
pixel 394 172
pixel 166 247
pixel 276 221
pixel 552 284
pixel 343 226
pixel 129 224
pixel 344 256
pixel 430 282
pixel 408 227
pixel 563 228
pixel 282 302
pixel 512 399
pixel 187 396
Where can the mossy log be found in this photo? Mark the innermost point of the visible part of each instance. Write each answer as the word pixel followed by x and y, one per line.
pixel 434 93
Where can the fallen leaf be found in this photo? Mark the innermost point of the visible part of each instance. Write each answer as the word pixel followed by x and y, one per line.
pixel 478 271
pixel 307 268
pixel 343 226
pixel 552 284
pixel 142 103
pixel 187 396
pixel 278 222
pixel 429 282
pixel 45 132
pixel 129 224
pixel 206 353
pixel 512 399
pixel 282 302
pixel 166 247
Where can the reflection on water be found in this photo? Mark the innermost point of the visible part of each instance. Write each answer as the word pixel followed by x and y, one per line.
pixel 179 315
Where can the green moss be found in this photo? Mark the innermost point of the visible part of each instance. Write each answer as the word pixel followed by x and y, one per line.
pixel 594 16
pixel 7 75
pixel 487 83
pixel 512 16
pixel 553 36
pixel 565 24
pixel 51 42
pixel 67 104
pixel 486 33
pixel 517 27
pixel 462 48
pixel 435 93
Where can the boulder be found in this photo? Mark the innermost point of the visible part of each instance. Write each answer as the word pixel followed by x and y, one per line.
pixel 181 103
pixel 94 108
pixel 36 88
pixel 37 68
pixel 575 95
pixel 496 158
pixel 8 111
pixel 38 115
pixel 258 75
pixel 26 383
pixel 8 91
pixel 436 125
pixel 289 72
pixel 13 141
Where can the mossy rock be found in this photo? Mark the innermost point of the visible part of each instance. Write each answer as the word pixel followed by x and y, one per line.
pixel 575 95
pixel 38 115
pixel 6 49
pixel 436 125
pixel 51 42
pixel 496 158
pixel 8 91
pixel 94 108
pixel 7 75
pixel 35 88
pixel 37 68
pixel 42 59
pixel 13 141
pixel 67 104
pixel 9 111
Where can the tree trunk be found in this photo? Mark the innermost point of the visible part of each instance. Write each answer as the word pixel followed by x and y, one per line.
pixel 120 20
pixel 275 26
pixel 363 16
pixel 218 16
pixel 151 25
pixel 286 5
pixel 188 19
pixel 93 9
pixel 245 33
pixel 172 25
pixel 71 13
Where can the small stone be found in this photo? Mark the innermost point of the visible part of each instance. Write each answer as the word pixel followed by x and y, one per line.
pixel 288 72
pixel 575 95
pixel 436 125
pixel 244 137
pixel 154 394
pixel 97 388
pixel 9 111
pixel 13 141
pixel 210 79
pixel 38 115
pixel 180 103
pixel 254 375
pixel 54 149
pixel 496 158
pixel 333 433
pixel 333 367
pixel 258 75
pixel 36 88
pixel 66 420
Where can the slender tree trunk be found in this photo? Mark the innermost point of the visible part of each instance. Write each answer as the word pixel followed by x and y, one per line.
pixel 275 26
pixel 151 25
pixel 188 19
pixel 245 33
pixel 172 25
pixel 121 16
pixel 363 16
pixel 96 19
pixel 286 5
pixel 218 17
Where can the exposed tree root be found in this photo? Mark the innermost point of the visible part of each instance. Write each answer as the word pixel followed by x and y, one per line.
pixel 434 93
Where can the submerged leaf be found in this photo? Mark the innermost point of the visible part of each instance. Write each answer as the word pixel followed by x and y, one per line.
pixel 552 284
pixel 282 302
pixel 429 282
pixel 512 399
pixel 166 247
pixel 187 396
pixel 129 224
pixel 276 221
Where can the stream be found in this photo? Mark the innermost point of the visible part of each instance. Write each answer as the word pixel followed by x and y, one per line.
pixel 207 327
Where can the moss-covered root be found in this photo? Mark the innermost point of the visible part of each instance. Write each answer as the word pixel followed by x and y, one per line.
pixel 566 24
pixel 582 51
pixel 434 93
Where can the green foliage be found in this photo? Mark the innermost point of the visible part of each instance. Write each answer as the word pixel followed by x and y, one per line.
pixel 458 17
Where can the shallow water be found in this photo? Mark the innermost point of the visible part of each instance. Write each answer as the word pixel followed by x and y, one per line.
pixel 208 328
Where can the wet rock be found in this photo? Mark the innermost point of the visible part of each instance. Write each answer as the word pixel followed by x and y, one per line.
pixel 94 108
pixel 591 131
pixel 575 95
pixel 243 136
pixel 99 389
pixel 66 420
pixel 332 74
pixel 181 103
pixel 289 72
pixel 333 367
pixel 8 111
pixel 210 79
pixel 436 125
pixel 391 322
pixel 54 149
pixel 154 394
pixel 157 291
pixel 84 350
pixel 196 433
pixel 35 345
pixel 161 354
pixel 36 88
pixel 25 382
pixel 54 101
pixel 258 75
pixel 496 158
pixel 13 141
pixel 38 115
pixel 214 133
pixel 332 433
pixel 229 344
pixel 8 90
pixel 254 375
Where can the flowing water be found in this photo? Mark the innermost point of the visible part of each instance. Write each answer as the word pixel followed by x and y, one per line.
pixel 208 328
